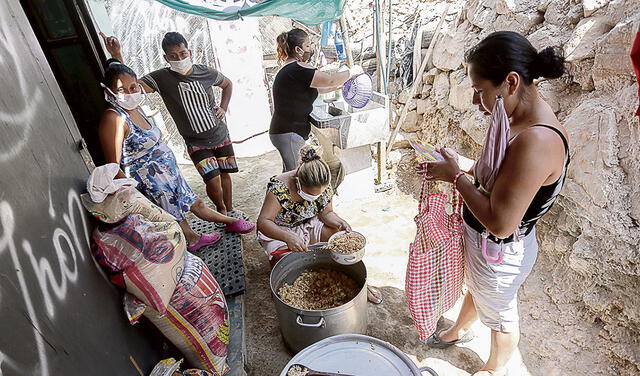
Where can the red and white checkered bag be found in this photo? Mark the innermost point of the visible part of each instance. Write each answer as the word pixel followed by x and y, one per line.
pixel 436 266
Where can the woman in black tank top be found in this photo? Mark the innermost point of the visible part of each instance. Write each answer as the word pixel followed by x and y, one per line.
pixel 528 182
pixel 295 88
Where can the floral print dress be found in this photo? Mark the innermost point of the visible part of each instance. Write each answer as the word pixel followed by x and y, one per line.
pixel 146 158
pixel 295 213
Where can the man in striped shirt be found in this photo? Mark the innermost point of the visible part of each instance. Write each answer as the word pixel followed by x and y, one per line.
pixel 187 91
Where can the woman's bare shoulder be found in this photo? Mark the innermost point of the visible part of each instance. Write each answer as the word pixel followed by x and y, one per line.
pixel 545 133
pixel 112 119
pixel 111 115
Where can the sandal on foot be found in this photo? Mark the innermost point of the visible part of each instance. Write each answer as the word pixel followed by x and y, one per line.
pixel 205 239
pixel 374 295
pixel 240 226
pixel 237 214
pixel 435 342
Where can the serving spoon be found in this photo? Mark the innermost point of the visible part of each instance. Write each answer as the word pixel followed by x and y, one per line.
pixel 312 247
pixel 311 372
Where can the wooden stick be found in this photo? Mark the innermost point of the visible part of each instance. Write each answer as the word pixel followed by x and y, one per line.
pixel 300 25
pixel 417 80
pixel 345 40
pixel 250 137
pixel 417 49
pixel 135 365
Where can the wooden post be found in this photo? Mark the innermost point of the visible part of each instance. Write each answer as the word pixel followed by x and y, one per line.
pixel 417 80
pixel 345 40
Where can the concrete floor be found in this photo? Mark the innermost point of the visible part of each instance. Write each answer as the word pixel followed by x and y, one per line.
pixel 386 219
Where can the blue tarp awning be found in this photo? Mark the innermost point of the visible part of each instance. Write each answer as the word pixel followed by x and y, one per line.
pixel 308 12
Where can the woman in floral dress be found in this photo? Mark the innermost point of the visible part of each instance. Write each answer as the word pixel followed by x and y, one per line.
pixel 297 212
pixel 130 139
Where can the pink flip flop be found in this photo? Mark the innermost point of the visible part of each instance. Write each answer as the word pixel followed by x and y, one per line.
pixel 205 239
pixel 241 226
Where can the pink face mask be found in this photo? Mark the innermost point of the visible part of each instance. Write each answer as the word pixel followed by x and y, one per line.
pixel 494 147
pixel 488 165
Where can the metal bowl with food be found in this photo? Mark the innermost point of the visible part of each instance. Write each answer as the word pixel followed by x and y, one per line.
pixel 347 248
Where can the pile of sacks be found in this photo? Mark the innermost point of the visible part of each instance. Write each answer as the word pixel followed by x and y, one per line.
pixel 143 250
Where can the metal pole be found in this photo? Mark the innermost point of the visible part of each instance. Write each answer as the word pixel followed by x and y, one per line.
pixel 389 51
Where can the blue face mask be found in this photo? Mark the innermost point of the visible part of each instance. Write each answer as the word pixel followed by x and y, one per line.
pixel 305 196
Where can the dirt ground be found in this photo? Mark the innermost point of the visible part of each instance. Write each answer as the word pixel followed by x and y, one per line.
pixel 386 219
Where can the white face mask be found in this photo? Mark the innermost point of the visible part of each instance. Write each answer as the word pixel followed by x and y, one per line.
pixel 305 196
pixel 181 66
pixel 126 101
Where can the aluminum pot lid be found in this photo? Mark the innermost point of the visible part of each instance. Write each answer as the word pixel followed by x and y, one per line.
pixel 355 354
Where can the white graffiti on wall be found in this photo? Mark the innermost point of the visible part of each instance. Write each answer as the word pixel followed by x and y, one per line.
pixel 53 272
pixel 18 114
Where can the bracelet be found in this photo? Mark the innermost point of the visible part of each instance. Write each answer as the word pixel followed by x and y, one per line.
pixel 455 179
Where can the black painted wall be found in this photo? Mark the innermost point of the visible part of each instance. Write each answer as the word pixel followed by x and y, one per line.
pixel 58 314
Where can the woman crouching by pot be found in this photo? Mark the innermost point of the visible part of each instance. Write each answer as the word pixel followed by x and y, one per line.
pixel 297 211
pixel 502 67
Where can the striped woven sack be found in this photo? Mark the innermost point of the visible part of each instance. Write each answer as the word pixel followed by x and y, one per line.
pixel 436 266
pixel 197 318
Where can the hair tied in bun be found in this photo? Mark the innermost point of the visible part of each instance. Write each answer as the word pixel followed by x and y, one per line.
pixel 309 154
pixel 549 63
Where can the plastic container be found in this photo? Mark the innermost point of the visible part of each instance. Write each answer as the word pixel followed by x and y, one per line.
pixel 327 32
pixel 347 258
pixel 337 39
pixel 358 90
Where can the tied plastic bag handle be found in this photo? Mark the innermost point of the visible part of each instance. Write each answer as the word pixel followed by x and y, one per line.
pixel 456 199
pixel 427 188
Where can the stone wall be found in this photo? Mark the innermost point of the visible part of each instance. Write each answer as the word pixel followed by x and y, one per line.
pixel 581 307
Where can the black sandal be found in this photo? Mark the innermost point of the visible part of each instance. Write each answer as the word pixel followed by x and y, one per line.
pixel 435 342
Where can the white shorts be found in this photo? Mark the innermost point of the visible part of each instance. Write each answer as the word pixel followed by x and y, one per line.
pixel 310 232
pixel 495 286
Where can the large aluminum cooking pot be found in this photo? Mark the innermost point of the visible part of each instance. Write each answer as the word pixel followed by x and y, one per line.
pixel 301 328
pixel 359 355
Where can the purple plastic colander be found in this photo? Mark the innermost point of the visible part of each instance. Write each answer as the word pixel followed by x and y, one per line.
pixel 358 90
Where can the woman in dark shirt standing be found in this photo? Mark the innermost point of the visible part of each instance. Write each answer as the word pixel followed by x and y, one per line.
pixel 295 88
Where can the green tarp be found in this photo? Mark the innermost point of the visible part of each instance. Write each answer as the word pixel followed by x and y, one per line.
pixel 308 12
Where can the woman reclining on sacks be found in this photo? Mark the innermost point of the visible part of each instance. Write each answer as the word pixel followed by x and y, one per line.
pixel 132 140
pixel 297 211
